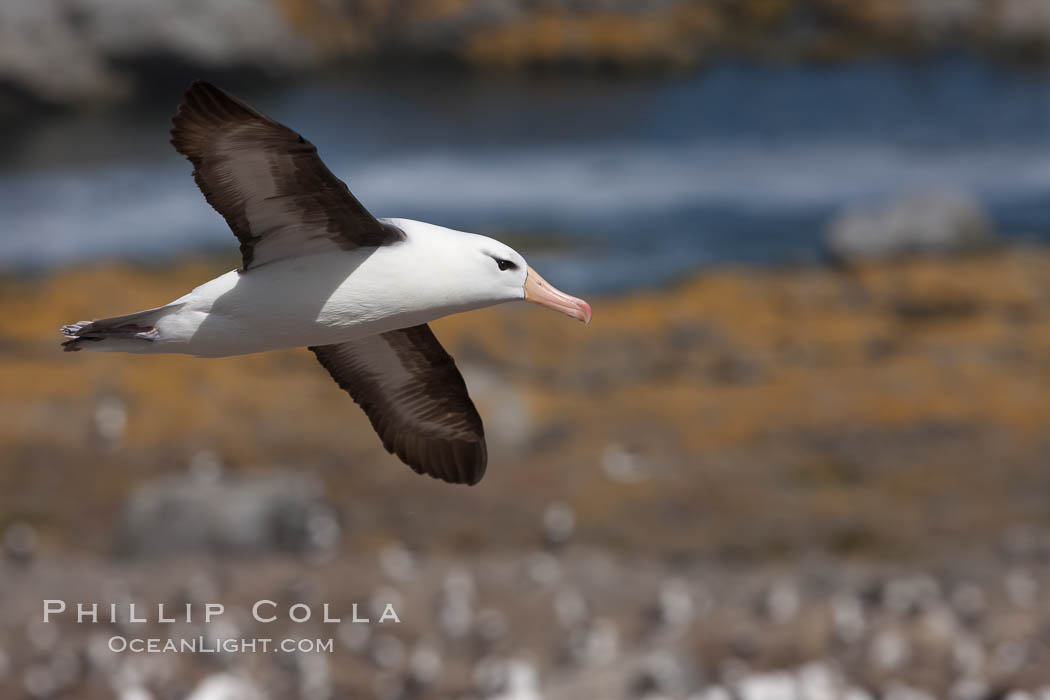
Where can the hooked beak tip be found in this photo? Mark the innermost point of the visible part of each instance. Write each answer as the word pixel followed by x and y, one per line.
pixel 539 291
pixel 585 312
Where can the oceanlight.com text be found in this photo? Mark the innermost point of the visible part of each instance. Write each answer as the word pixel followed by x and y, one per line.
pixel 211 645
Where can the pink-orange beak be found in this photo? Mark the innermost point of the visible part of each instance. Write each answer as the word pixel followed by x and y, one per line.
pixel 539 291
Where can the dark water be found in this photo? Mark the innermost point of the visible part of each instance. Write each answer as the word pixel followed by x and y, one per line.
pixel 606 183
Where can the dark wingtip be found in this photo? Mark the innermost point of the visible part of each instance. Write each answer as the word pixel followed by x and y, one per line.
pixel 466 460
pixel 462 462
pixel 191 109
pixel 204 107
pixel 474 467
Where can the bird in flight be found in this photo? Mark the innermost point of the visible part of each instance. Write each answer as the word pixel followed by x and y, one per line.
pixel 318 270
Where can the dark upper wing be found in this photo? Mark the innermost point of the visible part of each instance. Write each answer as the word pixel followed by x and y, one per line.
pixel 268 182
pixel 416 399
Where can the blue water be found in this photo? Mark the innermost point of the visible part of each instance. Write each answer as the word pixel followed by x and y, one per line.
pixel 604 182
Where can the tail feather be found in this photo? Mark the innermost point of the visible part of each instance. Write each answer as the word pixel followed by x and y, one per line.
pixel 136 326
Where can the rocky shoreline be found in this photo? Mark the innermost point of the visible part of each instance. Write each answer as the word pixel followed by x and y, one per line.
pixel 86 51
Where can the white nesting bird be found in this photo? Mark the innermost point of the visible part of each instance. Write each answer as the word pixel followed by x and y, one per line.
pixel 318 270
pixel 226 686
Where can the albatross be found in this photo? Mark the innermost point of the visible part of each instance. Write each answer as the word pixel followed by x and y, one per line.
pixel 318 270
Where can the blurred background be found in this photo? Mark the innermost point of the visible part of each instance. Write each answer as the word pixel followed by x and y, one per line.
pixel 801 452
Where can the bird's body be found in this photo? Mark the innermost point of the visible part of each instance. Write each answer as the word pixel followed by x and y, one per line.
pixel 318 299
pixel 320 271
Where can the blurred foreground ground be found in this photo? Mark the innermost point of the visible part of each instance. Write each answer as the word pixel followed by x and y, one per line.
pixel 755 469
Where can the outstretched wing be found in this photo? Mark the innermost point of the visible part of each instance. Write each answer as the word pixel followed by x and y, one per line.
pixel 268 181
pixel 416 400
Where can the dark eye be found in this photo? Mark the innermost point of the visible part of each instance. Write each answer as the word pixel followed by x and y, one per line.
pixel 504 265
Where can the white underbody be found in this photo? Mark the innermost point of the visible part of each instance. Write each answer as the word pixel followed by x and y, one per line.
pixel 319 299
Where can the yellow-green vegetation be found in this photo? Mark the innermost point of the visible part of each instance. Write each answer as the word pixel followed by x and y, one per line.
pixel 675 38
pixel 896 408
pixel 667 35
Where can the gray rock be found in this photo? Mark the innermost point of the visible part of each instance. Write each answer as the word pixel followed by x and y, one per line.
pixel 42 52
pixel 932 223
pixel 1021 20
pixel 65 50
pixel 939 19
pixel 232 514
pixel 20 541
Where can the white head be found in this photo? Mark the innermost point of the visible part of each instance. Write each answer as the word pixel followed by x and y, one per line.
pixel 469 271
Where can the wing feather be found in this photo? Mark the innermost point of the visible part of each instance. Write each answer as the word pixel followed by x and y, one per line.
pixel 416 400
pixel 268 182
